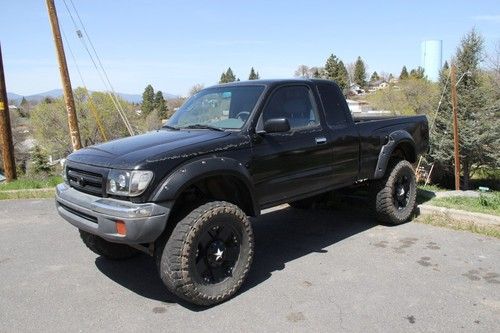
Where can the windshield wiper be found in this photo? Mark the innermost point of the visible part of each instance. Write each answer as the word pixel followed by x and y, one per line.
pixel 171 127
pixel 204 126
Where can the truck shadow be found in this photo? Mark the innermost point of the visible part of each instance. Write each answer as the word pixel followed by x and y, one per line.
pixel 281 236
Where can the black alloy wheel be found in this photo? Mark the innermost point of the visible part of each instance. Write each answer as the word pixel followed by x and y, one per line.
pixel 394 196
pixel 208 255
pixel 401 193
pixel 218 252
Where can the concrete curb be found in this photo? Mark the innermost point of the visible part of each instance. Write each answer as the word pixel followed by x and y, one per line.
pixel 480 218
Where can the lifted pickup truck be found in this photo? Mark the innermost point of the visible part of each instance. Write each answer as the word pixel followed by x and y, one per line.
pixel 183 193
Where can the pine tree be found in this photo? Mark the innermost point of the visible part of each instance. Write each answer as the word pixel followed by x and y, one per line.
pixel 479 129
pixel 331 67
pixel 404 74
pixel 375 77
pixel 223 78
pixel 228 76
pixel 160 105
pixel 39 158
pixel 360 72
pixel 336 71
pixel 343 76
pixel 24 108
pixel 148 100
pixel 418 73
pixel 253 75
pixel 317 72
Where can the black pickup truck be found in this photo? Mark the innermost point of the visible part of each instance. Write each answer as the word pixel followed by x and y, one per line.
pixel 183 193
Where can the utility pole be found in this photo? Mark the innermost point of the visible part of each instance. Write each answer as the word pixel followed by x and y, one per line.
pixel 74 132
pixel 453 81
pixel 9 164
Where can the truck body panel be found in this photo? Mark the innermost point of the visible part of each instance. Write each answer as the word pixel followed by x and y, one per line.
pixel 325 149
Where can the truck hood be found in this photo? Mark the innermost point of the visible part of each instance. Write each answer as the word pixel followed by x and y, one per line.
pixel 132 152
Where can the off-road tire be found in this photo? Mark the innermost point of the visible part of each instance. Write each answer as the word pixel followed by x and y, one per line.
pixel 177 258
pixel 109 250
pixel 382 193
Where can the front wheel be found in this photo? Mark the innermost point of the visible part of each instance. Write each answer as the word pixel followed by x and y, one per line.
pixel 394 196
pixel 208 255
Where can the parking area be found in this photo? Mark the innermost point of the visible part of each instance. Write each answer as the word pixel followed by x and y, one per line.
pixel 313 270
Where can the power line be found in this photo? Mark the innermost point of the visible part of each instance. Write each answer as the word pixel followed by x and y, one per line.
pixel 112 95
pixel 129 127
pixel 440 101
pixel 92 106
pixel 433 121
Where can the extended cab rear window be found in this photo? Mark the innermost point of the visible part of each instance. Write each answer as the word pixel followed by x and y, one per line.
pixel 334 104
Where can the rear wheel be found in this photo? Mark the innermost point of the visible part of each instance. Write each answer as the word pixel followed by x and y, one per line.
pixel 208 255
pixel 109 250
pixel 394 196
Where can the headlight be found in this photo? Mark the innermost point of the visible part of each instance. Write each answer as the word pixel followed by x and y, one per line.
pixel 128 183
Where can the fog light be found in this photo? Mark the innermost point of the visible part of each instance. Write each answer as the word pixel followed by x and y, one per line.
pixel 121 228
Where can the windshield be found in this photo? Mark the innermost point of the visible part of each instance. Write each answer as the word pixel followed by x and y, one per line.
pixel 220 107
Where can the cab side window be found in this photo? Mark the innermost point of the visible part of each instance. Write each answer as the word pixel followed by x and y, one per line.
pixel 334 105
pixel 294 103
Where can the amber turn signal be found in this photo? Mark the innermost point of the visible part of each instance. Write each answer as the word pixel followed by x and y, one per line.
pixel 121 228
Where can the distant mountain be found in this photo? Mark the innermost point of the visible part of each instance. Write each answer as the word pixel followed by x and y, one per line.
pixel 56 93
pixel 13 97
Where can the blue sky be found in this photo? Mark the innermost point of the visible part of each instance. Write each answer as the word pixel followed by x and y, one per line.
pixel 176 44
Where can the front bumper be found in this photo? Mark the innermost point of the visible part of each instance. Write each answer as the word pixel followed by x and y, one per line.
pixel 144 222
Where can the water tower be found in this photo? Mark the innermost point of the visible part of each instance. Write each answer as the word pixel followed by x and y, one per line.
pixel 432 58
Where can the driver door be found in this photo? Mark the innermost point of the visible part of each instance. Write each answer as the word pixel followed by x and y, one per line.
pixel 294 163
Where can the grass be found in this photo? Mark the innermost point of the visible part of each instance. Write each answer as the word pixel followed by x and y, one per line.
pixel 486 203
pixel 470 226
pixel 29 188
pixel 27 194
pixel 26 183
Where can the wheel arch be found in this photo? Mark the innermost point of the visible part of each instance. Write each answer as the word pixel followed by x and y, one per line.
pixel 400 143
pixel 224 178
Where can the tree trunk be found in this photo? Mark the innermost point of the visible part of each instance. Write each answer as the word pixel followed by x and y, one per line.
pixel 466 171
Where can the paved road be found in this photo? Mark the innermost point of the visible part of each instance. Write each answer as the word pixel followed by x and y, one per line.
pixel 315 271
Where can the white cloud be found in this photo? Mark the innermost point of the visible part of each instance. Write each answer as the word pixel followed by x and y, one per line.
pixel 494 18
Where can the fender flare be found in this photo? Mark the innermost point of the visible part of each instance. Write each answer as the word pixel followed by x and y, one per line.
pixel 394 139
pixel 191 172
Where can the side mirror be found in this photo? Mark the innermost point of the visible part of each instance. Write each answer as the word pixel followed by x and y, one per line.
pixel 276 125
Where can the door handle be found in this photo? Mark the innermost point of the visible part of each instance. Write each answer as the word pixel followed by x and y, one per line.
pixel 320 141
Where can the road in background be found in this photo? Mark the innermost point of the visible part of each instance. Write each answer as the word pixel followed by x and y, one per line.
pixel 313 270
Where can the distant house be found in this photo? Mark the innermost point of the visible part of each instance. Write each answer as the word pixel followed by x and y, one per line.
pixel 377 85
pixel 358 106
pixel 355 89
pixel 394 80
pixel 361 108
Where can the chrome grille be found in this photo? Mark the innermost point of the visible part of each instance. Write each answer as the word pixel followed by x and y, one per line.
pixel 85 181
